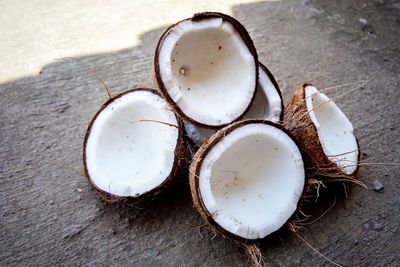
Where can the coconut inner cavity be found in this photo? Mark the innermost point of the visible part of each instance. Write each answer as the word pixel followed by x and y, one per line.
pixel 266 105
pixel 334 129
pixel 251 180
pixel 126 157
pixel 208 70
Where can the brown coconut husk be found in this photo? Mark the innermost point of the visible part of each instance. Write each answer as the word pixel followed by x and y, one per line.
pixel 297 121
pixel 179 160
pixel 320 170
pixel 197 17
pixel 299 220
pixel 194 171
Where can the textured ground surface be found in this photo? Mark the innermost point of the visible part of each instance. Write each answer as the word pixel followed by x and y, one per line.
pixel 45 220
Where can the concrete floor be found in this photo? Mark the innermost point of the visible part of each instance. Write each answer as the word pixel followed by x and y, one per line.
pixel 46 220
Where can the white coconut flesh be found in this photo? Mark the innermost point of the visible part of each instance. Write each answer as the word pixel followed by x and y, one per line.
pixel 251 180
pixel 208 70
pixel 335 131
pixel 126 156
pixel 266 105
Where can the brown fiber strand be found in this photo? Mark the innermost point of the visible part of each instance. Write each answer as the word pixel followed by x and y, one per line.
pixel 319 253
pixel 317 184
pixel 319 217
pixel 306 113
pixel 303 214
pixel 165 123
pixel 363 164
pixel 75 170
pixel 316 66
pixel 320 74
pixel 345 93
pixel 92 71
pixel 379 163
pixel 198 227
pixel 268 119
pixel 359 150
pixel 341 85
pixel 339 179
pixel 337 86
pixel 255 255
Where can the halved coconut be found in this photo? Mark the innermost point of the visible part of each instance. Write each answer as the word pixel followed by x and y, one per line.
pixel 206 67
pixel 323 132
pixel 268 104
pixel 247 179
pixel 133 146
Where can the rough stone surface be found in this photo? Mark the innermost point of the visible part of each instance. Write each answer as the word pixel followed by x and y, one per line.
pixel 378 186
pixel 46 220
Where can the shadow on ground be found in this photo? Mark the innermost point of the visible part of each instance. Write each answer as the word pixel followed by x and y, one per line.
pixel 46 220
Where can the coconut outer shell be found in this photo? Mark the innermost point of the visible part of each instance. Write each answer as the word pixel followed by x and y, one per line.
pixel 197 17
pixel 297 121
pixel 194 171
pixel 179 159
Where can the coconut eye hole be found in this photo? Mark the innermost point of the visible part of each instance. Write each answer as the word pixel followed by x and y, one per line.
pixel 184 70
pixel 205 57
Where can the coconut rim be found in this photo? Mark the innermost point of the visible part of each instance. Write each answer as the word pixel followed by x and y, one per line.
pixel 198 161
pixel 178 152
pixel 302 87
pixel 276 86
pixel 197 17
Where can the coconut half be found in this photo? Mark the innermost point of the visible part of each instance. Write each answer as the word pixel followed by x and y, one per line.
pixel 323 132
pixel 247 179
pixel 268 104
pixel 133 146
pixel 207 68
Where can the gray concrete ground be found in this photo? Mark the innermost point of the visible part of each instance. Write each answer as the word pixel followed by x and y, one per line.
pixel 45 220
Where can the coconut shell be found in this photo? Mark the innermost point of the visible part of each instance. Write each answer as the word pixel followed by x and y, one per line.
pixel 197 17
pixel 179 160
pixel 272 78
pixel 194 171
pixel 297 121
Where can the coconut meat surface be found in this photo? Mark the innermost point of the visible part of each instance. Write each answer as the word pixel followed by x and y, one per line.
pixel 208 70
pixel 334 129
pixel 267 103
pixel 251 180
pixel 126 157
